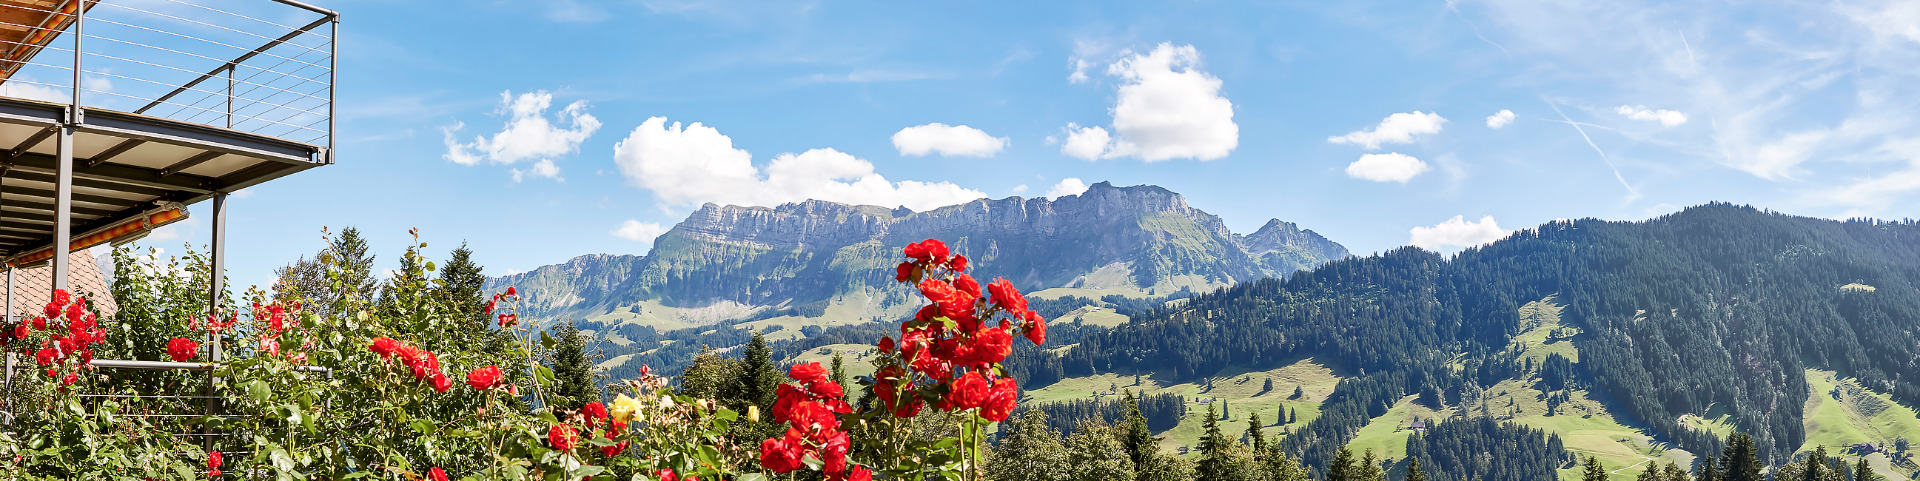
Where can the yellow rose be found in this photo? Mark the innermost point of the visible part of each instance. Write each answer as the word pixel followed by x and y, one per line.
pixel 623 408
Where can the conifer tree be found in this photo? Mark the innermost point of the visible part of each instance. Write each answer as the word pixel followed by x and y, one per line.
pixel 1672 472
pixel 1594 471
pixel 1137 438
pixel 1213 449
pixel 1370 468
pixel 1297 393
pixel 1740 461
pixel 1030 450
pixel 1342 468
pixel 1863 472
pixel 1255 439
pixel 573 384
pixel 1413 470
pixel 1652 473
pixel 1709 470
pixel 1815 462
pixel 839 371
pixel 758 377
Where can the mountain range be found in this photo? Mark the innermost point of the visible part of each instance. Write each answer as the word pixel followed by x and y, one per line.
pixel 827 263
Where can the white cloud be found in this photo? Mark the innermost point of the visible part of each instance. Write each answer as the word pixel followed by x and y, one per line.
pixel 1666 118
pixel 543 168
pixel 1457 232
pixel 1079 75
pixel 1066 187
pixel 527 135
pixel 637 231
pixel 947 140
pixel 1388 167
pixel 1019 189
pixel 22 90
pixel 1166 108
pixel 1500 119
pixel 696 164
pixel 1398 128
pixel 1085 143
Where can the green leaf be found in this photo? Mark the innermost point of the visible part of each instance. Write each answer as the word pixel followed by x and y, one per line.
pixel 542 374
pixel 726 415
pixel 424 426
pixel 751 477
pixel 546 341
pixel 281 460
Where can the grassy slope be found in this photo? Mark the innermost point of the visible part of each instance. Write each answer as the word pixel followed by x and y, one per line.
pixel 856 358
pixel 1856 415
pixel 1237 387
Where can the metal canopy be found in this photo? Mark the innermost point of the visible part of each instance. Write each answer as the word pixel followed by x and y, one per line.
pixel 125 165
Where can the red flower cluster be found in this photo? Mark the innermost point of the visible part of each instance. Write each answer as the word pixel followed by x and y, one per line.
pixel 425 364
pixel 486 378
pixel 213 463
pixel 182 349
pixel 507 319
pixel 813 427
pixel 68 344
pixel 437 474
pixel 953 335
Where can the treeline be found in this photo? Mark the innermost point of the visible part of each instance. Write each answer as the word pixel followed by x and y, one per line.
pixel 1162 411
pixel 1481 448
pixel 1714 306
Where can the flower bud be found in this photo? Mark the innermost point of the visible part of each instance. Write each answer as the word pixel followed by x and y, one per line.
pixel 753 413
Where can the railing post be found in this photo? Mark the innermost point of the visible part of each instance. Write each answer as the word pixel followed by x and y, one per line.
pixel 333 76
pixel 215 298
pixel 79 27
pixel 63 208
pixel 229 95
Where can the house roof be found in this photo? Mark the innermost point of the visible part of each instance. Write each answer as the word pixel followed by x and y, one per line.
pixel 32 288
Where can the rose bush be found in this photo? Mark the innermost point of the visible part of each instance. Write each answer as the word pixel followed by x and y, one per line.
pixel 357 389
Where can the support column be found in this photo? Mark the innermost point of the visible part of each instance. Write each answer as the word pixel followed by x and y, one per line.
pixel 63 208
pixel 216 296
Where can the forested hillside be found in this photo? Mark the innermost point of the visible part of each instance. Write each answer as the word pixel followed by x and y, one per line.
pixel 1716 308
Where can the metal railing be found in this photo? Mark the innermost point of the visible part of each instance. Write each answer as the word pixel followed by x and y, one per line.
pixel 264 67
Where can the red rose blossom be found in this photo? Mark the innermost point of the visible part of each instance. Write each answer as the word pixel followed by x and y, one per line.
pixel 485 378
pixel 808 372
pixel 437 474
pixel 593 412
pixel 182 349
pixel 562 437
pixel 213 463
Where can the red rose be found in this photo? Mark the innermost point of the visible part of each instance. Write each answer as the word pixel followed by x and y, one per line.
pixel 1036 328
pixel 989 346
pixel 826 389
pixel 437 474
pixel 52 310
pixel 665 474
pixel 39 323
pixel 182 349
pixel 967 393
pixel 886 344
pixel 958 264
pixel 61 297
pixel 1006 296
pixel 783 455
pixel 510 291
pixel 46 356
pixel 440 382
pixel 1001 402
pixel 594 412
pixel 21 331
pixel 927 250
pixel 485 378
pixel 903 272
pixel 966 284
pixel 213 463
pixel 562 437
pixel 860 473
pixel 385 347
pixel 75 311
pixel 808 373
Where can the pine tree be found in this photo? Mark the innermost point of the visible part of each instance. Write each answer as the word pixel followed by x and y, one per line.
pixel 1137 438
pixel 758 377
pixel 1370 468
pixel 1030 450
pixel 1413 470
pixel 1293 416
pixel 461 284
pixel 1815 462
pixel 1213 450
pixel 355 275
pixel 1096 454
pixel 1740 461
pixel 1297 393
pixel 1342 468
pixel 839 370
pixel 1709 470
pixel 1863 472
pixel 1594 471
pixel 1672 472
pixel 1268 386
pixel 1255 439
pixel 573 384
pixel 1652 473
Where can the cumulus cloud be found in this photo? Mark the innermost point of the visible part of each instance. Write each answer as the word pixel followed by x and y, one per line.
pixel 1388 167
pixel 696 163
pixel 1500 119
pixel 1085 143
pixel 1066 187
pixel 1165 108
pixel 637 231
pixel 947 140
pixel 1667 118
pixel 1457 232
pixel 21 90
pixel 527 135
pixel 1398 128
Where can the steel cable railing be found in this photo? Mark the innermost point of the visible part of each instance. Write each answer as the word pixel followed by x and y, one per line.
pixel 183 61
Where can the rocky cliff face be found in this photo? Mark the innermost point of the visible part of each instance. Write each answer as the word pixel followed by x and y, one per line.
pixel 813 254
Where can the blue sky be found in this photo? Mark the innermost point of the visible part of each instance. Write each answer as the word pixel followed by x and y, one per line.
pixel 1365 121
